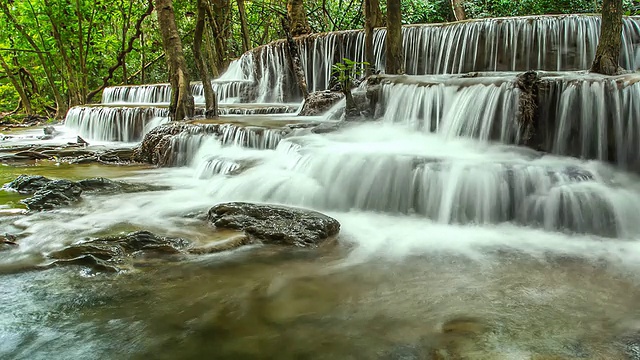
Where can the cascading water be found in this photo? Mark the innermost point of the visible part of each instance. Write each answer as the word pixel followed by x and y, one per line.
pixel 483 108
pixel 508 241
pixel 553 43
pixel 128 124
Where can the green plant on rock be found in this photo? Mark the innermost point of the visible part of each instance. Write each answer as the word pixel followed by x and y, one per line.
pixel 346 73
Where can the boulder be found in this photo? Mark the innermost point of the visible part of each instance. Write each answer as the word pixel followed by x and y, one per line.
pixel 274 224
pixel 108 254
pixel 319 102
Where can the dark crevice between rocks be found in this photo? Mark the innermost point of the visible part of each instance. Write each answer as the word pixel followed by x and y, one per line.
pixel 527 117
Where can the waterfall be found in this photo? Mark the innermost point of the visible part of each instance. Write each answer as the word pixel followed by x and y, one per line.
pixel 483 108
pixel 597 118
pixel 226 92
pixel 126 124
pixel 553 43
pixel 383 168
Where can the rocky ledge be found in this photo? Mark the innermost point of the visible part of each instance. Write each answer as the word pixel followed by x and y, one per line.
pixel 274 224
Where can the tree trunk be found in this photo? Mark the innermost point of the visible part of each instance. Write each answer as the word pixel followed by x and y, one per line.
pixel 377 20
pixel 458 10
pixel 244 28
pixel 294 60
pixel 608 51
pixel 210 99
pixel 372 18
pixel 394 52
pixel 182 105
pixel 24 99
pixel 297 18
pixel 219 14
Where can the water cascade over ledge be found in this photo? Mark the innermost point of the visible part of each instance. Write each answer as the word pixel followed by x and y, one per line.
pixel 552 43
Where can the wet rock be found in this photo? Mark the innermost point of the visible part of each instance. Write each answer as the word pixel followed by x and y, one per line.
pixel 274 224
pixel 54 194
pixel 8 242
pixel 48 194
pixel 27 184
pixel 319 102
pixel 157 147
pixel 111 253
pixel 106 186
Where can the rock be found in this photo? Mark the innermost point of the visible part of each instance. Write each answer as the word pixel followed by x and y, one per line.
pixel 49 194
pixel 274 224
pixel 109 253
pixel 54 194
pixel 319 102
pixel 231 243
pixel 7 242
pixel 106 186
pixel 27 184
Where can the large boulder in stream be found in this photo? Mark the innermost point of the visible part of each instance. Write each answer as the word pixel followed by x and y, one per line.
pixel 47 194
pixel 274 224
pixel 109 254
pixel 319 102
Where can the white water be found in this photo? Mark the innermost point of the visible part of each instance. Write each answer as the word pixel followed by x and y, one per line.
pixel 552 43
pixel 465 192
pixel 125 124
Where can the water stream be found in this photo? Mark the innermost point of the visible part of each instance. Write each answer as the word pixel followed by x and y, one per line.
pixel 455 242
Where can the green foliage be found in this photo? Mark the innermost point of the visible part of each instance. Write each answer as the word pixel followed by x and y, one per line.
pixel 499 8
pixel 347 71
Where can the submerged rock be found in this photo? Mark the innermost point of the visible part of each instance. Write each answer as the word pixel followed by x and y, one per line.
pixel 319 102
pixel 274 224
pixel 110 253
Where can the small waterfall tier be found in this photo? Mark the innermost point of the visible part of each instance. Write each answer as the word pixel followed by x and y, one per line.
pixel 114 123
pixel 227 92
pixel 385 168
pixel 181 143
pixel 577 114
pixel 552 43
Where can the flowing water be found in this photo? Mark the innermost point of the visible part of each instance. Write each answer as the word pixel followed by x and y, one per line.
pixel 455 243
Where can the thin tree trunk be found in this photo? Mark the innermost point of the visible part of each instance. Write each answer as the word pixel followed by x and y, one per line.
pixel 294 59
pixel 394 52
pixel 61 105
pixel 458 10
pixel 24 99
pixel 297 18
pixel 210 99
pixel 608 52
pixel 219 15
pixel 377 20
pixel 244 28
pixel 369 24
pixel 182 105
